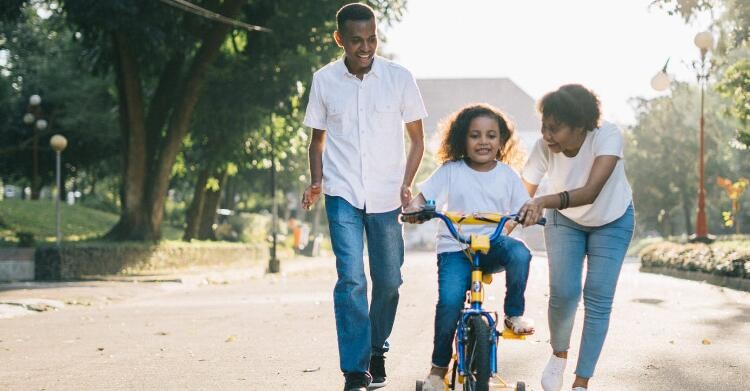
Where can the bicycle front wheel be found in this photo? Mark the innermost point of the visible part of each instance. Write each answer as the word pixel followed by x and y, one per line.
pixel 477 355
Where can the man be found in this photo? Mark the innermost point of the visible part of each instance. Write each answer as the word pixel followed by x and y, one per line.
pixel 357 109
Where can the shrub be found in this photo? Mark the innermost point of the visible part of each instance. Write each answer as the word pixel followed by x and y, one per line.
pixel 729 258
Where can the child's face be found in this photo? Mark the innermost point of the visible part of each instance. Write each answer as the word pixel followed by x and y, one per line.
pixel 560 136
pixel 483 140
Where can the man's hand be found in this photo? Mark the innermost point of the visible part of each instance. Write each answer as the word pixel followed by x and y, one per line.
pixel 311 195
pixel 405 196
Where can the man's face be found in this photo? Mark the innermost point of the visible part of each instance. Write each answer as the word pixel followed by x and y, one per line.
pixel 359 39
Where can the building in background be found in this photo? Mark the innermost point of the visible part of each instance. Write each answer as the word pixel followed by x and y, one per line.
pixel 442 97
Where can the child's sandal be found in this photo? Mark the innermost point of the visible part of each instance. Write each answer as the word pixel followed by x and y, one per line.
pixel 520 325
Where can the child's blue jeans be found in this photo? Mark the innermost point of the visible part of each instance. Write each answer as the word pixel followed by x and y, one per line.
pixel 454 278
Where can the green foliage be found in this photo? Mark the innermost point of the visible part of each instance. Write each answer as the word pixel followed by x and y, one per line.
pixel 733 22
pixel 735 85
pixel 37 218
pixel 726 258
pixel 44 57
pixel 662 155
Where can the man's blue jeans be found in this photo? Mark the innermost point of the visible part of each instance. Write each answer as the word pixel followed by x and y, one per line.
pixel 454 279
pixel 568 243
pixel 362 334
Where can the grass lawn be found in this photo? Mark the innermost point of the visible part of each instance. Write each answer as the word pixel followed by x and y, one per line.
pixel 38 218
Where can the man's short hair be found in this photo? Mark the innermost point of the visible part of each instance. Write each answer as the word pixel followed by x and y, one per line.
pixel 353 11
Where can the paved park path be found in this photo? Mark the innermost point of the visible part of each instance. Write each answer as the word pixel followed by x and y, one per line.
pixel 277 333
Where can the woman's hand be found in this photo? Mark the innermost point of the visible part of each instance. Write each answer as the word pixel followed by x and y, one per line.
pixel 531 212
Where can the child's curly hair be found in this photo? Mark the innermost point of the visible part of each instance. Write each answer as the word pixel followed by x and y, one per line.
pixel 455 129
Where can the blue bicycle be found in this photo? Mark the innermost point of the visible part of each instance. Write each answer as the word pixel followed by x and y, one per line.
pixel 475 361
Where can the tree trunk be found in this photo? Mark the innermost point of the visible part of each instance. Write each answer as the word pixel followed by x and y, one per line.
pixel 196 207
pixel 230 190
pixel 180 119
pixel 144 191
pixel 133 220
pixel 210 206
pixel 686 208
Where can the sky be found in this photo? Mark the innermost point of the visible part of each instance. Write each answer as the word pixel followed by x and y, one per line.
pixel 613 47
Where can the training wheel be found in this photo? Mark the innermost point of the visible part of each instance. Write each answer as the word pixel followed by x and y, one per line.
pixel 419 385
pixel 520 386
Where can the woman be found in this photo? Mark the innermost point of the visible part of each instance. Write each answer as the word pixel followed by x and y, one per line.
pixel 589 216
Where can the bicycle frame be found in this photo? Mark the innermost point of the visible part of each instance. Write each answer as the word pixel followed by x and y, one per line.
pixel 478 244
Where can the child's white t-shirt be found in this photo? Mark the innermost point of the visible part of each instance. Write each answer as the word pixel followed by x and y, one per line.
pixel 456 187
pixel 569 173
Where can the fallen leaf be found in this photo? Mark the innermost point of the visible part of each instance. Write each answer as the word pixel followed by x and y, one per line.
pixel 231 338
pixel 162 333
pixel 100 349
pixel 707 341
pixel 311 370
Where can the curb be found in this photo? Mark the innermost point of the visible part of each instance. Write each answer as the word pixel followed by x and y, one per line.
pixel 742 284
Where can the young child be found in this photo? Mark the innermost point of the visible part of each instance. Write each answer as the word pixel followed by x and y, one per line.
pixel 478 144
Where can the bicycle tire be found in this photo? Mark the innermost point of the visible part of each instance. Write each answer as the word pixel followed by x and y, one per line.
pixel 477 355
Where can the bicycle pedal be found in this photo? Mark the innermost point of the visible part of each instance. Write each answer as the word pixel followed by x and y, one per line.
pixel 509 334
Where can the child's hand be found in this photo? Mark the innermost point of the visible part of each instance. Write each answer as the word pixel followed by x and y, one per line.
pixel 415 205
pixel 412 219
pixel 311 195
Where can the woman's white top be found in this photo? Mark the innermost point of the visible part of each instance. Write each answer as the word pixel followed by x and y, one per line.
pixel 456 187
pixel 569 173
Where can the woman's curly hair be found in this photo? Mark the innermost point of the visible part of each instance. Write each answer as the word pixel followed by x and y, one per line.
pixel 456 128
pixel 573 105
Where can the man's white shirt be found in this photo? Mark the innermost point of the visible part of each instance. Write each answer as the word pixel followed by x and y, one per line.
pixel 364 158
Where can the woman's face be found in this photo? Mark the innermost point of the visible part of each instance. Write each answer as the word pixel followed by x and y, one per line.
pixel 483 140
pixel 560 136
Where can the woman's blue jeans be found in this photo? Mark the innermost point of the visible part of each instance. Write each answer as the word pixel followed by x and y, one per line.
pixel 362 333
pixel 568 243
pixel 454 278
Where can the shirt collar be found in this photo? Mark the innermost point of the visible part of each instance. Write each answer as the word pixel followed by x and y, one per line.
pixel 375 70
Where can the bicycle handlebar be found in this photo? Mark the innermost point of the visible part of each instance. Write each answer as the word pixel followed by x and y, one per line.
pixel 428 212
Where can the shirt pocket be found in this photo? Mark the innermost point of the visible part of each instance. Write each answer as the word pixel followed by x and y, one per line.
pixel 335 117
pixel 387 109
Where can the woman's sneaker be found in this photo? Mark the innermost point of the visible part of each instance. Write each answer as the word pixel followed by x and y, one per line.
pixel 377 371
pixel 552 376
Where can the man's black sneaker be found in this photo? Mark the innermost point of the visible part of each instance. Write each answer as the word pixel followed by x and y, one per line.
pixel 377 370
pixel 356 381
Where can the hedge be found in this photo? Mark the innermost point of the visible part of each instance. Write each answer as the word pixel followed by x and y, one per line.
pixel 75 261
pixel 730 258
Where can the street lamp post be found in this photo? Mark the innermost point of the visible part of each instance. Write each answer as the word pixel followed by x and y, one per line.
pixel 58 144
pixel 660 82
pixel 33 118
pixel 274 266
pixel 704 41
